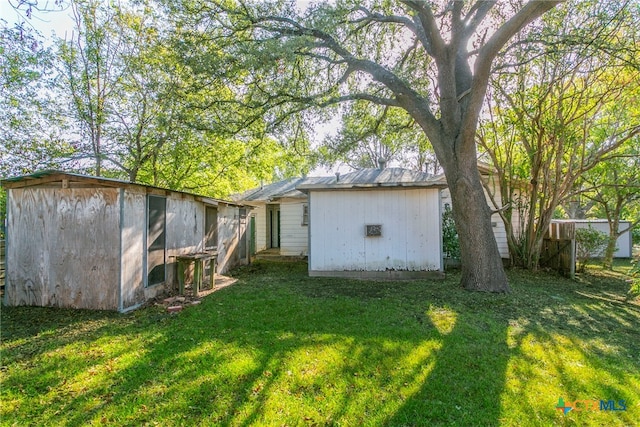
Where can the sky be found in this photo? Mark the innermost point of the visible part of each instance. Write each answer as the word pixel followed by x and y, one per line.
pixel 50 20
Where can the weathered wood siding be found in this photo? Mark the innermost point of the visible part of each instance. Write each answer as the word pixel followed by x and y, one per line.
pixel 133 248
pixel 411 235
pixel 229 233
pixel 185 231
pixel 294 237
pixel 63 247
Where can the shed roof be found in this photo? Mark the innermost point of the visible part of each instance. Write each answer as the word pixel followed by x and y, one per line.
pixel 374 178
pixel 52 176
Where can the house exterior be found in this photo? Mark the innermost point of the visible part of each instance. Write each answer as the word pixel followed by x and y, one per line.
pixel 375 223
pixel 96 243
pixel 279 217
pixel 492 195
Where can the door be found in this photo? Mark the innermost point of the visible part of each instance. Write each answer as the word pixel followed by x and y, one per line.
pixel 252 233
pixel 273 226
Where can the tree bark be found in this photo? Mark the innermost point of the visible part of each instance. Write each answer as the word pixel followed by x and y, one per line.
pixel 481 263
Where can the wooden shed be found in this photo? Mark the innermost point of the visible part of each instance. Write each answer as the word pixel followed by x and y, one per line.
pixel 78 241
pixel 375 223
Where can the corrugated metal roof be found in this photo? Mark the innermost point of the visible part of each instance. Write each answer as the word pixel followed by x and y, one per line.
pixel 277 190
pixel 388 177
pixel 53 174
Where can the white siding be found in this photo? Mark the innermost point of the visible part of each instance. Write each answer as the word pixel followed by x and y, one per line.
pixel 499 230
pixel 293 235
pixel 410 238
pixel 260 213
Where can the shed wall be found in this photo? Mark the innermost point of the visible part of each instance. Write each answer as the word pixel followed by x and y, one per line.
pixel 624 246
pixel 410 239
pixel 133 247
pixel 230 229
pixel 63 247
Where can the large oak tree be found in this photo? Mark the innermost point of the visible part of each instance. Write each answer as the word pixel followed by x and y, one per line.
pixel 432 59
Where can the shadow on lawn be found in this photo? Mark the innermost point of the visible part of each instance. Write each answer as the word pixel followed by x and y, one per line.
pixel 328 349
pixel 464 371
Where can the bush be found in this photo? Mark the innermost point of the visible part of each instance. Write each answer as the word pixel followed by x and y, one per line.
pixel 589 243
pixel 450 242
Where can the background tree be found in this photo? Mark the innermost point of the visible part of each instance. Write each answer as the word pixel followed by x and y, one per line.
pixel 31 128
pixel 554 114
pixel 369 133
pixel 130 103
pixel 614 187
pixel 92 69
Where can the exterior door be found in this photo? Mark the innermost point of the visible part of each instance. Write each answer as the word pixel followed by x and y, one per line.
pixel 273 226
pixel 252 233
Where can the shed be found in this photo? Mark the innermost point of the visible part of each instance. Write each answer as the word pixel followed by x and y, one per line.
pixel 78 241
pixel 624 243
pixel 375 223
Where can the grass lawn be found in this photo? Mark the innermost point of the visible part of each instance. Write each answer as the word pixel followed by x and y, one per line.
pixel 280 348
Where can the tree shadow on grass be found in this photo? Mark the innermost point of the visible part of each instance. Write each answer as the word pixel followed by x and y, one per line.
pixel 470 364
pixel 281 348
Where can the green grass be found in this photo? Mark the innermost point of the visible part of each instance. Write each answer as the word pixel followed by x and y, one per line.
pixel 280 348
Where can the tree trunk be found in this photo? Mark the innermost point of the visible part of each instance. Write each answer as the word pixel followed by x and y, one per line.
pixel 482 268
pixel 607 261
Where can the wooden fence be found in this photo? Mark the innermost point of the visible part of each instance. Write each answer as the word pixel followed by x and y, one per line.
pixel 559 249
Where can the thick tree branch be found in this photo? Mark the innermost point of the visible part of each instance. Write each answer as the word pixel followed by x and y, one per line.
pixel 529 12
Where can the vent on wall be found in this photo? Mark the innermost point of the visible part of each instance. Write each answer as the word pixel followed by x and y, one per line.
pixel 373 230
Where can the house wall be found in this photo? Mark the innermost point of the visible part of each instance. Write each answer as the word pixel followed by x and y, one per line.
pixel 260 213
pixel 411 235
pixel 499 229
pixel 63 247
pixel 294 237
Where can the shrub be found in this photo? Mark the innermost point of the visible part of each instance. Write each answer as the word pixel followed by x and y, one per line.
pixel 589 243
pixel 450 242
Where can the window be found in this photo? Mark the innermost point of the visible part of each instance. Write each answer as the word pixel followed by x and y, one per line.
pixel 156 239
pixel 305 214
pixel 211 228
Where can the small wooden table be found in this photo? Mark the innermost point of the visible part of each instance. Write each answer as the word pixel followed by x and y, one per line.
pixel 198 259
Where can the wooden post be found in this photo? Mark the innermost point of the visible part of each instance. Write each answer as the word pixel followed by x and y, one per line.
pixel 212 274
pixel 181 271
pixel 197 276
